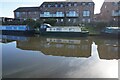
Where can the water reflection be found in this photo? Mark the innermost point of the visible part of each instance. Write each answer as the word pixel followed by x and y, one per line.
pixel 107 48
pixel 11 38
pixel 68 47
pixel 58 46
pixel 42 57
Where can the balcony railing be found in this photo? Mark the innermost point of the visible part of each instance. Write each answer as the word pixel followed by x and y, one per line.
pixel 43 15
pixel 52 15
pixel 72 15
pixel 116 14
pixel 58 15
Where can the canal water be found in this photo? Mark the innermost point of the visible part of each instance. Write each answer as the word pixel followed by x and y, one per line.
pixel 57 57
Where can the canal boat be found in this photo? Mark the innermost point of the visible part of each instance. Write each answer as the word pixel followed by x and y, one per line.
pixel 68 31
pixel 16 30
pixel 111 32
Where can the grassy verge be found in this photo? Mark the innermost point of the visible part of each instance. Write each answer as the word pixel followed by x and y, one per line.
pixel 92 30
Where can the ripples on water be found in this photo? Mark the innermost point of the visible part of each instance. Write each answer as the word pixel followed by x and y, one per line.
pixel 51 57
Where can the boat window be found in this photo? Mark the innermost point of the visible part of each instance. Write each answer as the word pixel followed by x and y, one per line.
pixel 50 29
pixel 21 28
pixel 8 28
pixel 58 28
pixel 15 28
pixel 71 29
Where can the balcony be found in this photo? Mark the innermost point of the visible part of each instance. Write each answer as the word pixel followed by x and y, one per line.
pixel 44 15
pixel 116 13
pixel 58 15
pixel 72 15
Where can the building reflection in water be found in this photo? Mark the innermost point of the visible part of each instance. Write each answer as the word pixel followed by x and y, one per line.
pixel 11 38
pixel 67 47
pixel 58 46
pixel 107 48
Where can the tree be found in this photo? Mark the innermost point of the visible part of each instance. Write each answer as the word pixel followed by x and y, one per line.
pixel 29 22
pixel 51 21
pixel 38 23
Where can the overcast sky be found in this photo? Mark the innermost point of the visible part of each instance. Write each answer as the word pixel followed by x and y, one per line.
pixel 8 6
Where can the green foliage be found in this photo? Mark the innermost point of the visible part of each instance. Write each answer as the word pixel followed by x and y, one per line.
pixel 38 23
pixel 29 22
pixel 50 21
pixel 100 25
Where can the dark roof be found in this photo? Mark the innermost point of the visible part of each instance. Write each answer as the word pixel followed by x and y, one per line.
pixel 65 3
pixel 21 9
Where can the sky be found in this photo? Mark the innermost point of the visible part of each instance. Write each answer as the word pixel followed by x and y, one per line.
pixel 8 6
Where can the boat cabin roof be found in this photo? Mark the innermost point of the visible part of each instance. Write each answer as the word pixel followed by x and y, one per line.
pixel 112 28
pixel 45 24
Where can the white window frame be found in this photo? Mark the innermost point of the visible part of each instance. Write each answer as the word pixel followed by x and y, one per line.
pixel 56 5
pixel 69 20
pixel 86 13
pixel 75 4
pixel 17 14
pixel 72 13
pixel 61 5
pixel 69 4
pixel 59 14
pixel 62 20
pixel 47 14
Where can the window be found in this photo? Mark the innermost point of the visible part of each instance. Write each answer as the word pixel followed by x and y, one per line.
pixel 56 5
pixel 46 14
pixel 35 12
pixel 61 20
pixel 72 13
pixel 105 6
pixel 83 20
pixel 43 5
pixel 74 20
pixel 69 5
pixel 57 20
pixel 49 5
pixel 23 12
pixel 61 5
pixel 115 3
pixel 8 28
pixel 90 4
pixel 58 29
pixel 115 12
pixel 69 20
pixel 59 14
pixel 29 12
pixel 86 13
pixel 75 4
pixel 83 4
pixel 89 20
pixel 17 14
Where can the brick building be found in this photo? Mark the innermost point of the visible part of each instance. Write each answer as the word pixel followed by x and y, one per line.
pixel 24 13
pixel 110 12
pixel 64 12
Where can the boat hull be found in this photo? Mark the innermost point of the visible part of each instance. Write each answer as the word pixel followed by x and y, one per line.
pixel 18 33
pixel 111 35
pixel 65 34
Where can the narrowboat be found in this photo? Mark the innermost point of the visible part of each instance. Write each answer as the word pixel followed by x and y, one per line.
pixel 68 31
pixel 16 30
pixel 111 32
